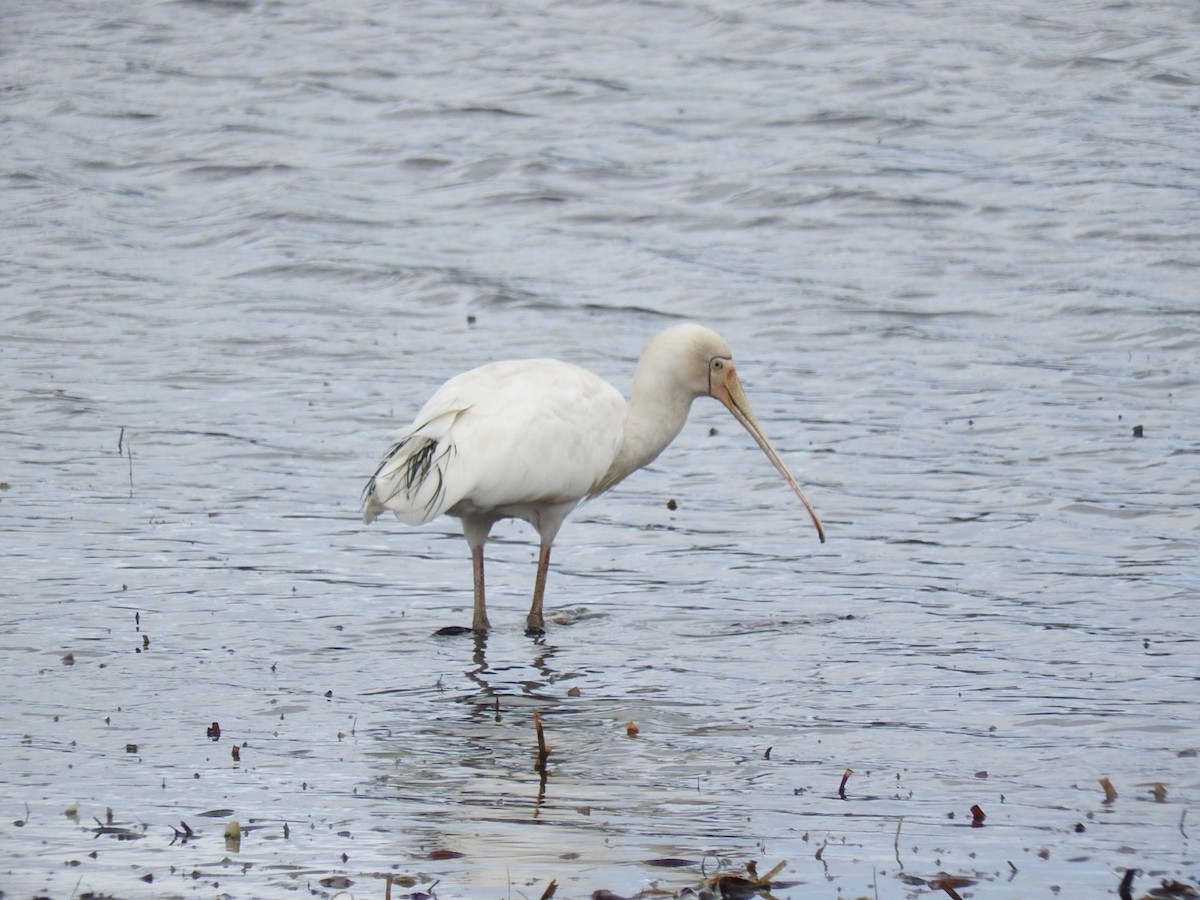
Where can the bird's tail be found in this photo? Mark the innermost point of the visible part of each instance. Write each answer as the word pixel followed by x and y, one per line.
pixel 410 481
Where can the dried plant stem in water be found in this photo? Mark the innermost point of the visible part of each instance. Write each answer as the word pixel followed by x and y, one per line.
pixel 543 750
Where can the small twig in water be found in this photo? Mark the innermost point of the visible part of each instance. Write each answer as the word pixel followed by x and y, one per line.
pixel 543 750
pixel 1125 890
pixel 121 442
pixel 842 787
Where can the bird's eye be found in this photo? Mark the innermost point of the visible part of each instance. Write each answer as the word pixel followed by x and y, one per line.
pixel 717 365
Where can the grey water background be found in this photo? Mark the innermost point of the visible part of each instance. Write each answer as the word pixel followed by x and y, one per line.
pixel 955 248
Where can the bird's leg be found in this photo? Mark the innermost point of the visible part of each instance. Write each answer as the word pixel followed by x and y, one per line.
pixel 475 530
pixel 479 621
pixel 535 623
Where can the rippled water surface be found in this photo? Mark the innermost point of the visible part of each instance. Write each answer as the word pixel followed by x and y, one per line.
pixel 954 247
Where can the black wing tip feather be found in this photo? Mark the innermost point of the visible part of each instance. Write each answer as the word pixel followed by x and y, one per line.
pixel 415 470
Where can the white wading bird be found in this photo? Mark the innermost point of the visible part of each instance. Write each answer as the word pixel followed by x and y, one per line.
pixel 532 439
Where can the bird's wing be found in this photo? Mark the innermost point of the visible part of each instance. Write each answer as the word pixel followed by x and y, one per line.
pixel 547 432
pixel 507 434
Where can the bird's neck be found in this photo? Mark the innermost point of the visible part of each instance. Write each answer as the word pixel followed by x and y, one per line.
pixel 654 417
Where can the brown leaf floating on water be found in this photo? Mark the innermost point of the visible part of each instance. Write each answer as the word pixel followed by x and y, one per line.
pixel 631 729
pixel 1110 792
pixel 1159 792
pixel 1174 889
pixel 736 887
pixel 977 816
pixel 444 854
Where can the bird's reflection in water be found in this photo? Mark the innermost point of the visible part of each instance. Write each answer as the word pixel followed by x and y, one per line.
pixel 493 689
pixel 480 734
pixel 490 703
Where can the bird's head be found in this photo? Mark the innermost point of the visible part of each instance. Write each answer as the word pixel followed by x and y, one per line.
pixel 703 365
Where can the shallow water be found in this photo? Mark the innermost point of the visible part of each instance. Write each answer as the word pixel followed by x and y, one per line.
pixel 954 249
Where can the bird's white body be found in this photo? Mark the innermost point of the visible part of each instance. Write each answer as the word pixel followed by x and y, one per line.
pixel 557 427
pixel 531 439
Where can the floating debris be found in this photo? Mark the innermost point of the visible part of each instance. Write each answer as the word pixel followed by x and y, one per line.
pixel 1110 792
pixel 116 831
pixel 842 787
pixel 948 883
pixel 543 749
